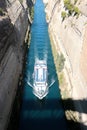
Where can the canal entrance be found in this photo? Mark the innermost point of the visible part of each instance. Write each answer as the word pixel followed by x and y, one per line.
pixel 46 114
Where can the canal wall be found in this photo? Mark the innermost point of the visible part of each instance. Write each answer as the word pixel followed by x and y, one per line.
pixel 68 35
pixel 14 28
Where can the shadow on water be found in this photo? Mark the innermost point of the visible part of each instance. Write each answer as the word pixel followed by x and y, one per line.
pixel 42 114
pixel 48 114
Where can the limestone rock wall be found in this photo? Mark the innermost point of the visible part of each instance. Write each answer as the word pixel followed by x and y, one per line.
pixel 13 26
pixel 83 58
pixel 70 38
pixel 69 35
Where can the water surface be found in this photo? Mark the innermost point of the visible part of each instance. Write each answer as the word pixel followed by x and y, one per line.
pixel 46 114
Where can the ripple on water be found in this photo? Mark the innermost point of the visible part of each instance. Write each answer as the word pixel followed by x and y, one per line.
pixel 46 114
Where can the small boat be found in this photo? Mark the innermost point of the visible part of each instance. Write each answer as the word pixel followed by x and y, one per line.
pixel 40 86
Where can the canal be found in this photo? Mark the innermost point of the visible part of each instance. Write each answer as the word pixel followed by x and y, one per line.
pixel 46 114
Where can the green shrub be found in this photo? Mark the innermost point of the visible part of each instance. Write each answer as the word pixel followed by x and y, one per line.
pixel 71 8
pixel 66 2
pixel 76 11
pixel 68 6
pixel 32 12
pixel 61 61
pixel 63 15
pixel 61 79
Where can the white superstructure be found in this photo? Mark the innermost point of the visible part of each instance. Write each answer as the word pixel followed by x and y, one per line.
pixel 40 86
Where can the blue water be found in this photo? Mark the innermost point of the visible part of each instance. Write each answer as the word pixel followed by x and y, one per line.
pixel 46 114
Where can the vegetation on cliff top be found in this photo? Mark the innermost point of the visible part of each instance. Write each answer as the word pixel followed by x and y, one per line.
pixel 63 14
pixel 71 9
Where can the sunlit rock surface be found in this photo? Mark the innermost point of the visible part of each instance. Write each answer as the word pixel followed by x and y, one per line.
pixel 70 38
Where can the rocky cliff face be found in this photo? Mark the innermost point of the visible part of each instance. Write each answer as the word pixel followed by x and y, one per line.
pixel 13 27
pixel 70 38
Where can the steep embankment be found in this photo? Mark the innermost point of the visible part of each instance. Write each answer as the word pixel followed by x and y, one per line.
pixel 13 27
pixel 68 31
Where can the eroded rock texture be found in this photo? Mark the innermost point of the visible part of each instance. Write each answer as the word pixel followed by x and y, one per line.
pixel 13 27
pixel 70 37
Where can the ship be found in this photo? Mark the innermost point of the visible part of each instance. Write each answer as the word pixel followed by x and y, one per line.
pixel 40 86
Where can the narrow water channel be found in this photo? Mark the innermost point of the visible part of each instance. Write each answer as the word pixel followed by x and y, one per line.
pixel 46 114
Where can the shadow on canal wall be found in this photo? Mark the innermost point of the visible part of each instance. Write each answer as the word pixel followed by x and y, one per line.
pixel 13 122
pixel 51 105
pixel 11 61
pixel 69 105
